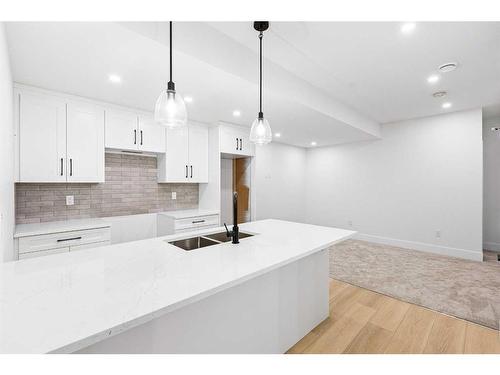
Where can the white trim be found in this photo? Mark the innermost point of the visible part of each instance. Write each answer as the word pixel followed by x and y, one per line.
pixel 493 246
pixel 420 246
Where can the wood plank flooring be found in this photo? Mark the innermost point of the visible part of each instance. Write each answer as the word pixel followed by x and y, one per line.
pixel 365 322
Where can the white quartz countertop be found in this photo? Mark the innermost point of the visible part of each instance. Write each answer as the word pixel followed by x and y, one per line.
pixel 184 214
pixel 24 230
pixel 64 302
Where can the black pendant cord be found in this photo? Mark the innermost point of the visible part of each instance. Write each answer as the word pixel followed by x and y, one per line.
pixel 261 115
pixel 171 85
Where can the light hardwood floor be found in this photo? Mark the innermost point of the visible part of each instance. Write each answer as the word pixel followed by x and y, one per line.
pixel 362 321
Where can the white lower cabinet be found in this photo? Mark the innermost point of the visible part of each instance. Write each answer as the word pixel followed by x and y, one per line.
pixel 89 246
pixel 54 243
pixel 169 225
pixel 36 254
pixel 186 157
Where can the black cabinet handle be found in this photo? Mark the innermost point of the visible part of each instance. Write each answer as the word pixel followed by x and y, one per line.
pixel 141 137
pixel 61 166
pixel 198 221
pixel 71 167
pixel 191 171
pixel 241 144
pixel 236 144
pixel 135 136
pixel 70 239
pixel 186 171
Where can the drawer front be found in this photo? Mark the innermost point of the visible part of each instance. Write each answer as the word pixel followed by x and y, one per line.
pixel 43 253
pixel 187 230
pixel 59 240
pixel 89 245
pixel 196 222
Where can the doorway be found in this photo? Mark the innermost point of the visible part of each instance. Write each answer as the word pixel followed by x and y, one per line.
pixel 235 177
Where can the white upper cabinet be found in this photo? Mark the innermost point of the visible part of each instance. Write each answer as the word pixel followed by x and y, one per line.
pixel 198 153
pixel 121 130
pixel 129 131
pixel 59 140
pixel 42 138
pixel 174 167
pixel 85 143
pixel 186 157
pixel 236 141
pixel 151 135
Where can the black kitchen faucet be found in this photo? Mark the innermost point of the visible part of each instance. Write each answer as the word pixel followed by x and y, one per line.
pixel 235 233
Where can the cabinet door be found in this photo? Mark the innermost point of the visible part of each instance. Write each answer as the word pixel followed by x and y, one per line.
pixel 42 138
pixel 198 154
pixel 229 141
pixel 121 130
pixel 247 148
pixel 151 136
pixel 176 161
pixel 85 143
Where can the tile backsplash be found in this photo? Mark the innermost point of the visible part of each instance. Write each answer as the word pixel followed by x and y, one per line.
pixel 130 188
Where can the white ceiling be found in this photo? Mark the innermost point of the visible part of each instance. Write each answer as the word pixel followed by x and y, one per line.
pixel 381 72
pixel 328 82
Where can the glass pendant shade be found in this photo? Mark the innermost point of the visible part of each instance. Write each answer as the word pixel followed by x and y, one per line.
pixel 261 133
pixel 170 110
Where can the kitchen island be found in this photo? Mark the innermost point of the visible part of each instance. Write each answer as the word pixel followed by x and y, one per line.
pixel 259 296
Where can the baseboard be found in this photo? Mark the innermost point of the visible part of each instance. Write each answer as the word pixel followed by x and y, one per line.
pixel 493 246
pixel 420 246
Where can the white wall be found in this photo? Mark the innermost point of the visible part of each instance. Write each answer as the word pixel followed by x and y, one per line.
pixel 6 154
pixel 491 170
pixel 423 176
pixel 279 184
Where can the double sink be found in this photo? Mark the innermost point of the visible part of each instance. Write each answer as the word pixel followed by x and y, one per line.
pixel 198 242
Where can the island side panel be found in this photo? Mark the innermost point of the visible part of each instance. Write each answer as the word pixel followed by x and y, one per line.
pixel 267 314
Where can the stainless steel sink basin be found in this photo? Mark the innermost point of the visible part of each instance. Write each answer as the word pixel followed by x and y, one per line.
pixel 198 242
pixel 222 237
pixel 193 243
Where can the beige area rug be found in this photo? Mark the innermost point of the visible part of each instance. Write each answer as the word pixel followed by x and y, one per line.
pixel 466 289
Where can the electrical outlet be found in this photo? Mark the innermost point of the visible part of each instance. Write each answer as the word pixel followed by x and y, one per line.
pixel 438 234
pixel 70 200
pixel 174 195
pixel 349 223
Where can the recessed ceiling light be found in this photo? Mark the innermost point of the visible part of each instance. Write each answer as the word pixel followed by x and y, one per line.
pixel 188 99
pixel 115 78
pixel 277 135
pixel 313 143
pixel 448 67
pixel 446 105
pixel 439 94
pixel 433 78
pixel 236 113
pixel 408 27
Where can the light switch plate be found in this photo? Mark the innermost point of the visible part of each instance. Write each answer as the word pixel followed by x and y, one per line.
pixel 70 200
pixel 174 195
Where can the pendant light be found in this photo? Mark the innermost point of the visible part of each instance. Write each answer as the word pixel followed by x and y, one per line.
pixel 170 110
pixel 260 133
